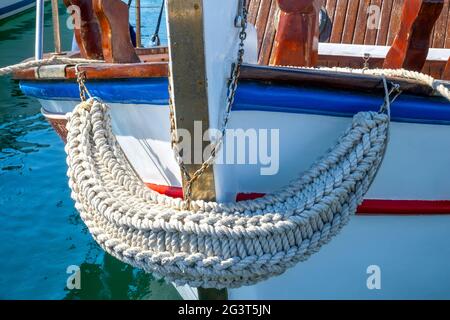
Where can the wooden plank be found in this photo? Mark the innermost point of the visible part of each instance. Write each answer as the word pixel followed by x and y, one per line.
pixel 386 15
pixel 269 35
pixel 446 73
pixel 395 21
pixel 331 10
pixel 435 69
pixel 262 21
pixel 121 71
pixel 361 23
pixel 350 23
pixel 327 79
pixel 447 33
pixel 253 9
pixel 372 31
pixel 339 21
pixel 441 27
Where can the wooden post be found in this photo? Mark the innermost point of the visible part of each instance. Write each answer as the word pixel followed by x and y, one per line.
pixel 138 24
pixel 116 41
pixel 297 39
pixel 87 33
pixel 411 45
pixel 188 77
pixel 56 31
pixel 446 74
pixel 190 94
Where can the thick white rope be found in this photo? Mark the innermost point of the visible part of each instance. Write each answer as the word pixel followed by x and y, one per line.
pixel 438 86
pixel 54 60
pixel 216 245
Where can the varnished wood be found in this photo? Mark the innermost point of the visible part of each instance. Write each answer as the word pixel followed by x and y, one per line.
pixel 339 19
pixel 385 23
pixel 60 127
pixel 446 73
pixel 326 79
pixel 297 39
pixel 265 29
pixel 411 45
pixel 440 28
pixel 346 23
pixel 86 29
pixel 269 35
pixel 116 40
pixel 349 27
pixel 107 71
pixel 121 71
pixel 155 65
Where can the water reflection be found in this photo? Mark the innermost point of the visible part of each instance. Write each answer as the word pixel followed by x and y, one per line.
pixel 114 280
pixel 41 234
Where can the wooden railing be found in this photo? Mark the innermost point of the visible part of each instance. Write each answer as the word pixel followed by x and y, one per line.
pixel 412 43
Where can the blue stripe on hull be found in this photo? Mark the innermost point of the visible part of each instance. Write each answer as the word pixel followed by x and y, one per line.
pixel 15 6
pixel 254 96
pixel 135 91
pixel 276 98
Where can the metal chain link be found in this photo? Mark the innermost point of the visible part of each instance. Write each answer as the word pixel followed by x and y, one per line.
pixel 232 87
pixel 81 79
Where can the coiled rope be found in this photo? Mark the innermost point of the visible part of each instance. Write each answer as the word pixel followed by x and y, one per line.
pixel 437 86
pixel 216 245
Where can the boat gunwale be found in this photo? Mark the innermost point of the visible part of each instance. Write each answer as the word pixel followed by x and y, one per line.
pixel 289 75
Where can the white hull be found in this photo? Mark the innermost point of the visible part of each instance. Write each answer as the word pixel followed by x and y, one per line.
pixel 413 252
pixel 416 166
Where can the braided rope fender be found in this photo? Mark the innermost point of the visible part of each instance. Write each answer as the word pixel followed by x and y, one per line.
pixel 216 245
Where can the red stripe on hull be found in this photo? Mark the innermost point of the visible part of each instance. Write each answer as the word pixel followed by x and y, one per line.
pixel 174 192
pixel 368 207
pixel 404 207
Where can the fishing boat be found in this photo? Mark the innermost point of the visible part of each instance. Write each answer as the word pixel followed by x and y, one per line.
pixel 280 81
pixel 10 8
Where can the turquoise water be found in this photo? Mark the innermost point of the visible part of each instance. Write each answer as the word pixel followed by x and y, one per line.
pixel 41 234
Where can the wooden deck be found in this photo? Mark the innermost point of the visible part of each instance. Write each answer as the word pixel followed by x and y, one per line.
pixel 346 23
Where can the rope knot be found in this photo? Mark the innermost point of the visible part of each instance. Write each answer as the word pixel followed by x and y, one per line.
pixel 86 105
